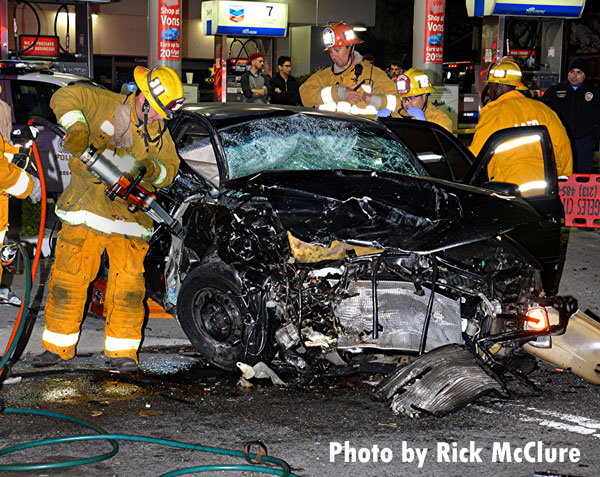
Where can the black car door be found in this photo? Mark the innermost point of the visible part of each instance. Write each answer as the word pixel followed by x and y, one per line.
pixel 542 239
pixel 444 157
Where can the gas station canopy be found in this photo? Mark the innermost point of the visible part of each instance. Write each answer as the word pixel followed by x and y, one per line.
pixel 526 8
pixel 244 18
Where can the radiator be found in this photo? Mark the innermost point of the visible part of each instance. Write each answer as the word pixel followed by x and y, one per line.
pixel 401 315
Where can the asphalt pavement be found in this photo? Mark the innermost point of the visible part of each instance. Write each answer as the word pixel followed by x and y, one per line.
pixel 308 424
pixel 581 277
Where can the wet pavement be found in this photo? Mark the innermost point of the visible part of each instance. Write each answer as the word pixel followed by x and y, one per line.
pixel 321 425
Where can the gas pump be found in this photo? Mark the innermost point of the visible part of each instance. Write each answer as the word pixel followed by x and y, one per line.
pixel 241 28
pixel 35 46
pixel 532 35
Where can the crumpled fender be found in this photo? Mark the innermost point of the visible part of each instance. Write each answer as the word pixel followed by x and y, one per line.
pixel 439 382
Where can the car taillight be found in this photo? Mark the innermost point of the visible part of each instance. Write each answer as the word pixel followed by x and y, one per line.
pixel 536 319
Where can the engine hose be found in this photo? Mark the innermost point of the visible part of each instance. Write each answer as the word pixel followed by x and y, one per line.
pixel 42 227
pixel 66 8
pixel 112 438
pixel 30 273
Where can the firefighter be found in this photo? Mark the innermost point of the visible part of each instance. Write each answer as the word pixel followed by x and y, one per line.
pixel 508 108
pixel 134 128
pixel 414 89
pixel 14 181
pixel 351 85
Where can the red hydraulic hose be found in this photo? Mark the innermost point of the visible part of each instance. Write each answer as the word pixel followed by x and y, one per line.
pixel 38 249
pixel 42 227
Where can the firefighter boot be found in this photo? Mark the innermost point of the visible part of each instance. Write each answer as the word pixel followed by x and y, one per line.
pixel 124 365
pixel 47 359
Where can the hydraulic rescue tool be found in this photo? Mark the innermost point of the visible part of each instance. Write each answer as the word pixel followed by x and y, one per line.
pixel 120 183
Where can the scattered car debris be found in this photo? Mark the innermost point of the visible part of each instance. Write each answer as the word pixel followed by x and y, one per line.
pixel 260 371
pixel 439 383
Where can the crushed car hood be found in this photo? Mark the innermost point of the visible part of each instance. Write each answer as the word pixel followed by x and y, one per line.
pixel 383 210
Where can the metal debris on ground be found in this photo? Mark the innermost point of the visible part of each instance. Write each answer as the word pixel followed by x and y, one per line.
pixel 260 370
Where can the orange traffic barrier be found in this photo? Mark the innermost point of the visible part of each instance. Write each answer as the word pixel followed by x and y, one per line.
pixel 580 195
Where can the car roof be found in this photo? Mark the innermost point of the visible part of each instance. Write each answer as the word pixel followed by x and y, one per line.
pixel 227 114
pixel 56 77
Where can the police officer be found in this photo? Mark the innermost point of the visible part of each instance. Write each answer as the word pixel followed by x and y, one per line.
pixel 577 102
pixel 351 85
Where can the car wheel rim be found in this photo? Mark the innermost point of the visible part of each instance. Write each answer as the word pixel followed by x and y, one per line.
pixel 217 314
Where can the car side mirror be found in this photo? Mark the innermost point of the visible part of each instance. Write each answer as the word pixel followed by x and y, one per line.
pixel 507 188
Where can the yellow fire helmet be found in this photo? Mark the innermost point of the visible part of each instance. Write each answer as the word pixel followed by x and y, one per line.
pixel 413 82
pixel 506 72
pixel 161 87
pixel 339 34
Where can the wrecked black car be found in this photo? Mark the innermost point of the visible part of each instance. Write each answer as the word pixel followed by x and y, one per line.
pixel 323 236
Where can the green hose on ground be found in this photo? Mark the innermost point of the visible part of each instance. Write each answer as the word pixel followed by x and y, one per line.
pixel 102 435
pixel 112 438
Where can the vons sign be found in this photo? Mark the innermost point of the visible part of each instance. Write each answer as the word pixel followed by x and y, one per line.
pixel 434 31
pixel 169 30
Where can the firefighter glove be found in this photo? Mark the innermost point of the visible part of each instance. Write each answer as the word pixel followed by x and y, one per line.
pixel 383 113
pixel 416 113
pixel 36 193
pixel 77 141
pixel 23 135
pixel 149 165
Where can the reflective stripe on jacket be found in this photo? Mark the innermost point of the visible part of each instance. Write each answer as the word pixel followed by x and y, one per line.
pixel 84 202
pixel 321 90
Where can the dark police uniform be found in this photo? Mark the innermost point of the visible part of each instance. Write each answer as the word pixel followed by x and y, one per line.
pixel 580 111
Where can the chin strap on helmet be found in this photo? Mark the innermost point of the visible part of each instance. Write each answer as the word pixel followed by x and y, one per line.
pixel 146 110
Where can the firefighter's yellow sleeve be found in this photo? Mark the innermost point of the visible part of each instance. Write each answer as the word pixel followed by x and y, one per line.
pixel 433 114
pixel 70 106
pixel 13 179
pixel 314 89
pixel 439 117
pixel 563 153
pixel 385 88
pixel 322 90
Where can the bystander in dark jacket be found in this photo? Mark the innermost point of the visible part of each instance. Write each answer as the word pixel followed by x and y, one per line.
pixel 577 102
pixel 255 86
pixel 284 87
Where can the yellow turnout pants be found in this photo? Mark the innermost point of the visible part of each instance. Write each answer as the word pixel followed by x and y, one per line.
pixel 78 255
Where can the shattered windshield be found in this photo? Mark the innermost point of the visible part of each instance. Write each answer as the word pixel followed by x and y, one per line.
pixel 306 142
